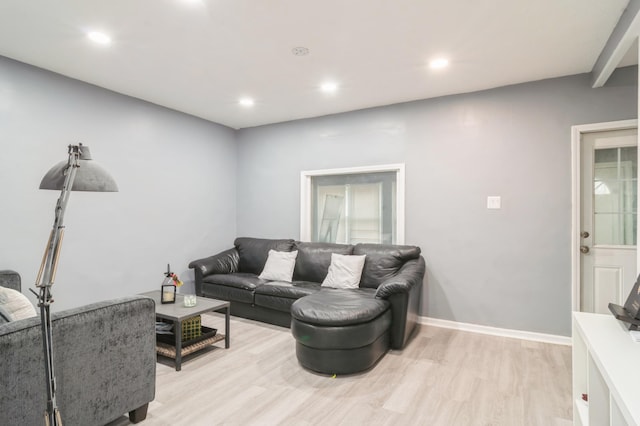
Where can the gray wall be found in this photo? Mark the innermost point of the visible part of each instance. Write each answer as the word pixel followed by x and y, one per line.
pixel 176 175
pixel 508 268
pixel 188 187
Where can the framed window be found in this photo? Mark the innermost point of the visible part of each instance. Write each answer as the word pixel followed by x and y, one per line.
pixel 353 205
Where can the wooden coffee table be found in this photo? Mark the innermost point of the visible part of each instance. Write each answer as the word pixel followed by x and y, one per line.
pixel 177 313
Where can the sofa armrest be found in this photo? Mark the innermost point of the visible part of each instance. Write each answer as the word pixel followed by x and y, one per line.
pixel 407 279
pixel 225 262
pixel 10 279
pixel 403 292
pixel 104 356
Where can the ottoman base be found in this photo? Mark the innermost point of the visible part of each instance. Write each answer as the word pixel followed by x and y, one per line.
pixel 340 331
pixel 342 361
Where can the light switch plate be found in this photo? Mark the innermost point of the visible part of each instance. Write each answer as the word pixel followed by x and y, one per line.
pixel 494 202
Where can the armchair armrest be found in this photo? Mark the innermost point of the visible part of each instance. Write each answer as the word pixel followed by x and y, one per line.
pixel 225 262
pixel 10 279
pixel 403 292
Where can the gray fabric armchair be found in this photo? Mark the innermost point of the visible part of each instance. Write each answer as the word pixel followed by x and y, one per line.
pixel 104 360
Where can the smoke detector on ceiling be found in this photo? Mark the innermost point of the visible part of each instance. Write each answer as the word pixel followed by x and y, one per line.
pixel 300 51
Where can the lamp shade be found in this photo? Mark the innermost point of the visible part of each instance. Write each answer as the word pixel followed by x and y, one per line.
pixel 89 176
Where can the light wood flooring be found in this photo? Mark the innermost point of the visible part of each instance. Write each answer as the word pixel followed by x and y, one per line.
pixel 443 377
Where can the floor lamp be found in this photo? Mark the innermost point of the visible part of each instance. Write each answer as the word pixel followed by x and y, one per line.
pixel 78 173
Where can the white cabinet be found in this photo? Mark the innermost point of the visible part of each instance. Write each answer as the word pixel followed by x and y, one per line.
pixel 606 367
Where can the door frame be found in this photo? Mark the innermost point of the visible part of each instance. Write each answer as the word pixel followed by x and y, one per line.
pixel 576 145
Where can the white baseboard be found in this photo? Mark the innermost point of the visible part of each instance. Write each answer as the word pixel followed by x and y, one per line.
pixel 494 331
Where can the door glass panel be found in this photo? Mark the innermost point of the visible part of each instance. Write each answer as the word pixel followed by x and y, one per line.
pixel 615 196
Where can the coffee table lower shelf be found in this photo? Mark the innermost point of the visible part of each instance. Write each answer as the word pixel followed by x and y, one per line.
pixel 165 349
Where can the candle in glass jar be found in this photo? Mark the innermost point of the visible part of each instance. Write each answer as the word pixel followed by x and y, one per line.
pixel 189 300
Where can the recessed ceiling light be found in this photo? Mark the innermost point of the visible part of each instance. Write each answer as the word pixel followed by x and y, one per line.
pixel 439 63
pixel 246 102
pixel 329 87
pixel 98 37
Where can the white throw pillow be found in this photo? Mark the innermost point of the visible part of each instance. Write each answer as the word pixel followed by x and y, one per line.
pixel 345 271
pixel 279 266
pixel 16 304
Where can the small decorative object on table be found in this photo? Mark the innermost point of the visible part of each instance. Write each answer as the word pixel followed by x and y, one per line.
pixel 189 300
pixel 191 328
pixel 168 293
pixel 169 284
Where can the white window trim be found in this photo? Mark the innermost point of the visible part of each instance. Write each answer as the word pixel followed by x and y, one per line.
pixel 305 194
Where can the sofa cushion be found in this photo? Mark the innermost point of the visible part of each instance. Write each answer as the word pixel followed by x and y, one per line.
pixel 314 259
pixel 345 271
pixel 16 304
pixel 294 290
pixel 239 280
pixel 253 252
pixel 383 261
pixel 223 292
pixel 281 304
pixel 279 266
pixel 338 307
pixel 281 295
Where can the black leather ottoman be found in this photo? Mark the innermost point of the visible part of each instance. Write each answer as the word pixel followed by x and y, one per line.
pixel 340 331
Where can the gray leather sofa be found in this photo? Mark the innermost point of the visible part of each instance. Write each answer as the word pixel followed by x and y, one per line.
pixel 104 360
pixel 326 322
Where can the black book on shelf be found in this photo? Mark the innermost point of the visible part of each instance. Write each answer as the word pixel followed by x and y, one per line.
pixel 630 313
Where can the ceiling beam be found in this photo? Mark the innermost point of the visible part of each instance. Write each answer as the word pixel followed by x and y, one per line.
pixel 621 39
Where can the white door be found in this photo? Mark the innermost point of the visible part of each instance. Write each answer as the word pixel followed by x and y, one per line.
pixel 609 199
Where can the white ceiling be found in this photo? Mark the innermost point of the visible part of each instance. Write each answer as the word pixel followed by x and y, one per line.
pixel 201 56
